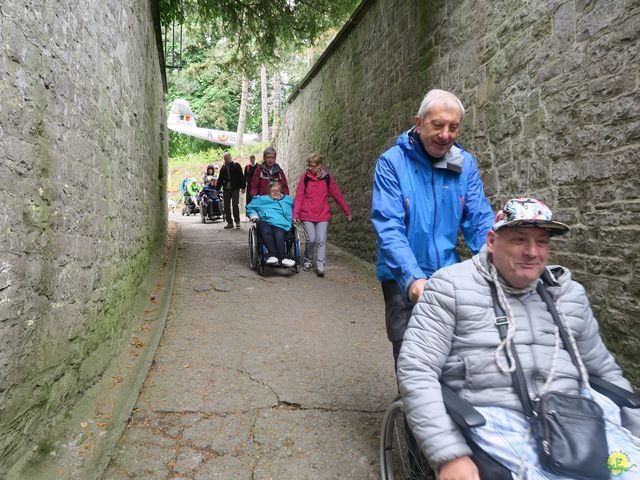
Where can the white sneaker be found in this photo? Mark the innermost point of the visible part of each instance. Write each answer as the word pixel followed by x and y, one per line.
pixel 272 261
pixel 287 262
pixel 307 266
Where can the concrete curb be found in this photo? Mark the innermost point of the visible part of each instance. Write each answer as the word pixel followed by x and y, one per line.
pixel 122 412
pixel 85 436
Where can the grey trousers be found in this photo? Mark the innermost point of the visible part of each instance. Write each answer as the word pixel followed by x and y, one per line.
pixel 316 235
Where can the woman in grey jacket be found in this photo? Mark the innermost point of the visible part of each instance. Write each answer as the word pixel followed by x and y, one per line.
pixel 452 338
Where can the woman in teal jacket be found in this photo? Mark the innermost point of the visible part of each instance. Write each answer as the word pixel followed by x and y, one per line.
pixel 273 214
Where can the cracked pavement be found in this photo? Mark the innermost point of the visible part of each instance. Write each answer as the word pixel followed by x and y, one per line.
pixel 284 376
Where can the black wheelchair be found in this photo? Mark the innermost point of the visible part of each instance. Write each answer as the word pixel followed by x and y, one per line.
pixel 401 461
pixel 258 253
pixel 218 210
pixel 191 205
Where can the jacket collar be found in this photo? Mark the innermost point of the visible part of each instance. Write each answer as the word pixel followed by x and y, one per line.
pixel 452 161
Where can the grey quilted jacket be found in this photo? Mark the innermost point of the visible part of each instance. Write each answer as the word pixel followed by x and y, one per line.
pixel 452 336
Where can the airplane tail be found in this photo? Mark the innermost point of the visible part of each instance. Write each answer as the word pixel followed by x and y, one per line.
pixel 181 114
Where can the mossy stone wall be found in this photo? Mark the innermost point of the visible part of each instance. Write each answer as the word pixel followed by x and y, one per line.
pixel 82 197
pixel 551 89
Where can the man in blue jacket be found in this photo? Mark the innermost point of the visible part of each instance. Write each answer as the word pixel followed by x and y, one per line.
pixel 425 189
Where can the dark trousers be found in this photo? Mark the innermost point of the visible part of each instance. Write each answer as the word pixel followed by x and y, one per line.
pixel 397 311
pixel 228 196
pixel 213 207
pixel 273 238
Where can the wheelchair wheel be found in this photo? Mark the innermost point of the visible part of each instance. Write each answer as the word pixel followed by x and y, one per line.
pixel 398 461
pixel 254 252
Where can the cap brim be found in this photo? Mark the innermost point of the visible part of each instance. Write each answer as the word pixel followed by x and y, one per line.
pixel 554 228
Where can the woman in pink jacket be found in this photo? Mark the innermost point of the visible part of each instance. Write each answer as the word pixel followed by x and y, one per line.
pixel 311 207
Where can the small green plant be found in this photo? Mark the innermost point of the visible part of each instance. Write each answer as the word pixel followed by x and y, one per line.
pixel 45 448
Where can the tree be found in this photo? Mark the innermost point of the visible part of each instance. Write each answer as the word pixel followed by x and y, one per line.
pixel 259 29
pixel 265 109
pixel 242 116
pixel 275 104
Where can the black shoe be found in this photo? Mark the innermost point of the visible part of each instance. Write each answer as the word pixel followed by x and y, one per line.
pixel 228 226
pixel 237 225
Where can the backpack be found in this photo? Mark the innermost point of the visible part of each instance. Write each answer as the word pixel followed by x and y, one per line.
pixel 306 180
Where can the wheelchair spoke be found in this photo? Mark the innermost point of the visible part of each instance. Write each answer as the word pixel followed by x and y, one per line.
pixel 400 460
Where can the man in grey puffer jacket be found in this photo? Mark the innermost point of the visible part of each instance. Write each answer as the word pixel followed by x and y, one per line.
pixel 452 338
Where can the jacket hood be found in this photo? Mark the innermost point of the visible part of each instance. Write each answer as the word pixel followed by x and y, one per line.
pixel 323 173
pixel 276 168
pixel 451 161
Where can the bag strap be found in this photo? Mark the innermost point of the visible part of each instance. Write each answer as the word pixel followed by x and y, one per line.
pixel 306 181
pixel 551 306
pixel 519 381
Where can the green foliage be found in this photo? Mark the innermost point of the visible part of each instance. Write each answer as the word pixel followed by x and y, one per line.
pixel 259 30
pixel 224 39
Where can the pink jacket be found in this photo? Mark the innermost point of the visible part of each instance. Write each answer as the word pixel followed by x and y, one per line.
pixel 312 202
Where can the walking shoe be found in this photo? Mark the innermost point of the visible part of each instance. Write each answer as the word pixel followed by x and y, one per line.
pixel 307 266
pixel 237 225
pixel 287 262
pixel 320 272
pixel 271 260
pixel 228 226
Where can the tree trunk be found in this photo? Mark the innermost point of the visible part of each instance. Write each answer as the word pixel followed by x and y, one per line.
pixel 242 116
pixel 275 104
pixel 265 110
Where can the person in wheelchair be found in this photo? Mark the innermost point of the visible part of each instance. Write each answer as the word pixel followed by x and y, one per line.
pixel 486 329
pixel 210 198
pixel 191 205
pixel 274 216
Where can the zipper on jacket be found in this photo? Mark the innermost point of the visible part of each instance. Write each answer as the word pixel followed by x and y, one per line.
pixel 435 216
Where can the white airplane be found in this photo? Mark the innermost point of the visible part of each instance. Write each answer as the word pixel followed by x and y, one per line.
pixel 182 120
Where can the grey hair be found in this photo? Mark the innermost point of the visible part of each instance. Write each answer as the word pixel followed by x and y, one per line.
pixel 439 97
pixel 275 183
pixel 268 150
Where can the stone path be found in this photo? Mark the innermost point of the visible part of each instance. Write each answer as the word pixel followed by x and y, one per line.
pixel 284 376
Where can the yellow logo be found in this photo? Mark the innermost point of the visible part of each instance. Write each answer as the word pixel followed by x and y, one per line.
pixel 618 463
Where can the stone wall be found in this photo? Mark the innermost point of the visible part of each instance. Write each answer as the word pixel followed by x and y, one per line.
pixel 552 94
pixel 82 197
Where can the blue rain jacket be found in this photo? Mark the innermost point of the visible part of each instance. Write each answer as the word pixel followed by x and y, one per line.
pixel 418 207
pixel 278 213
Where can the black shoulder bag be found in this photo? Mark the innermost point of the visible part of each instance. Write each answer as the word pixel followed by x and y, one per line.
pixel 569 429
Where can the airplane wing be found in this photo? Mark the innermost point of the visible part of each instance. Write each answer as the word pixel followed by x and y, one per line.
pixel 182 120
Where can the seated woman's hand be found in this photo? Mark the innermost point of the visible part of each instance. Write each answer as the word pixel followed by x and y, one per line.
pixel 254 219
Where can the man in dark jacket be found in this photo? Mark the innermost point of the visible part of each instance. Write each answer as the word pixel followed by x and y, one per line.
pixel 231 181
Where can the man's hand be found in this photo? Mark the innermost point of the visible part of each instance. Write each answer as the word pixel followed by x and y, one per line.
pixel 349 217
pixel 254 219
pixel 461 468
pixel 242 190
pixel 416 289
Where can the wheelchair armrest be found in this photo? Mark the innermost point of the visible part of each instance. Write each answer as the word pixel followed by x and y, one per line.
pixel 461 411
pixel 618 395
